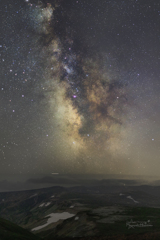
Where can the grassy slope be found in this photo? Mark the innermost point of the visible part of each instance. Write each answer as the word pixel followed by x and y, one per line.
pixel 10 231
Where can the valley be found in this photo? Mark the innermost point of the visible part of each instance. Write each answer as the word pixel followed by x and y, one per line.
pixel 83 211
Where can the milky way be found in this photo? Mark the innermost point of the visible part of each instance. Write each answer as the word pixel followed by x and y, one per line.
pixel 79 87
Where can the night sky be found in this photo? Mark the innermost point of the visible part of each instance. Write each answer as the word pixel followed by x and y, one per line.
pixel 80 87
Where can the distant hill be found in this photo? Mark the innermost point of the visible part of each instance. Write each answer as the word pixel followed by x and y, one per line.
pixel 10 231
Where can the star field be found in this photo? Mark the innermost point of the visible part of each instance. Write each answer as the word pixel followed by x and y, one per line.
pixel 79 87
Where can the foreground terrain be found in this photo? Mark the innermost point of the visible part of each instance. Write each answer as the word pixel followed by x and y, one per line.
pixel 10 231
pixel 93 212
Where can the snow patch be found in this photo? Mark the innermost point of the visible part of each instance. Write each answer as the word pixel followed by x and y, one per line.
pixel 42 205
pixel 45 204
pixel 54 217
pixel 71 206
pixel 33 195
pixel 132 199
pixel 121 194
